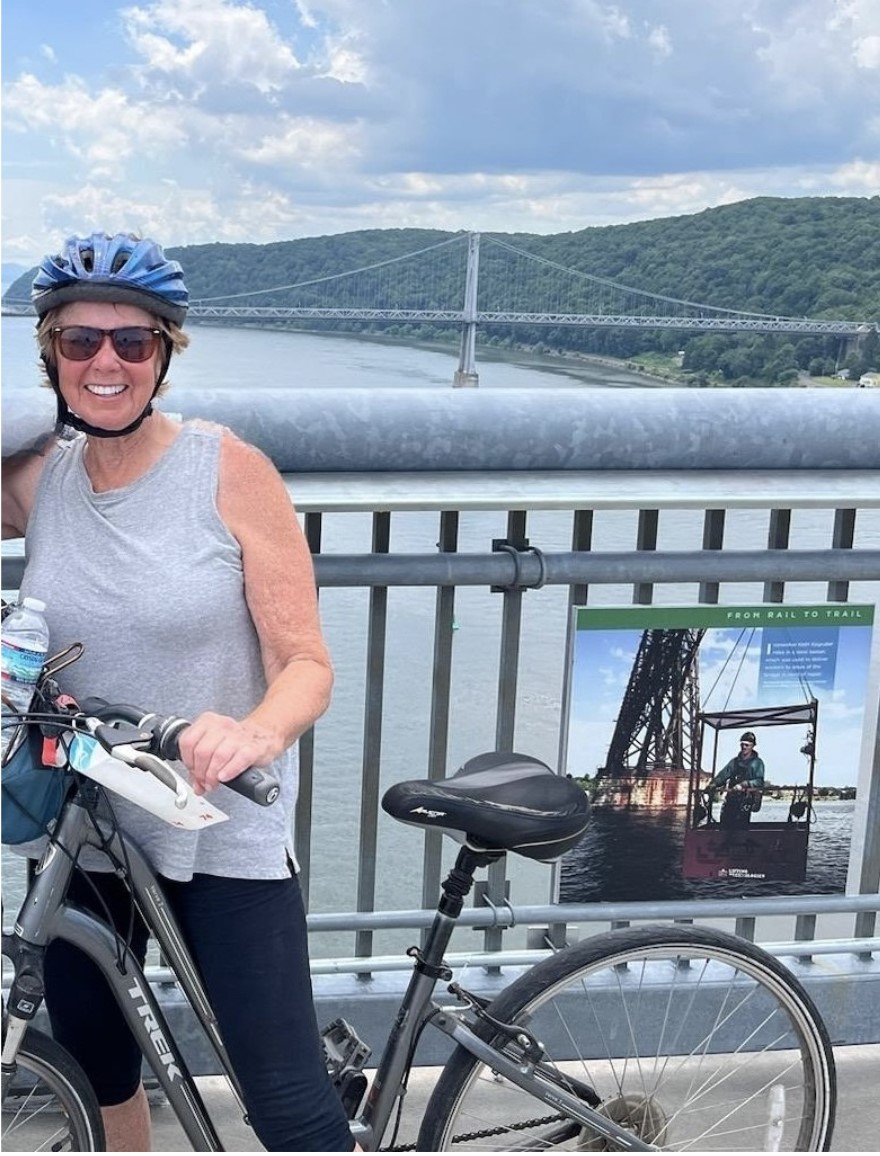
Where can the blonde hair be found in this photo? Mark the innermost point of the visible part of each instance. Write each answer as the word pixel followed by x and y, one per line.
pixel 46 344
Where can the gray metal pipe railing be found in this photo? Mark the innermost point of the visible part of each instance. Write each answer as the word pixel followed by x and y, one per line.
pixel 345 430
pixel 554 429
pixel 495 960
pixel 531 570
pixel 512 915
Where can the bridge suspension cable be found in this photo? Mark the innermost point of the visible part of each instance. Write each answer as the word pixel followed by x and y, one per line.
pixel 619 285
pixel 457 240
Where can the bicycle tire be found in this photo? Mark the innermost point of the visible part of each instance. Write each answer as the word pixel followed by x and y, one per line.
pixel 696 1039
pixel 49 1105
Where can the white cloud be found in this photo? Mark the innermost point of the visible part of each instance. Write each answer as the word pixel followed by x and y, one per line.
pixel 102 128
pixel 210 42
pixel 509 115
pixel 660 41
pixel 304 142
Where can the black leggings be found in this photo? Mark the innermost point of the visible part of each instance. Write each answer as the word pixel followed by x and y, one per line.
pixel 248 938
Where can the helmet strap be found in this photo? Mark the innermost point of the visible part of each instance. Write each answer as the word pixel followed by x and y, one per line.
pixel 66 416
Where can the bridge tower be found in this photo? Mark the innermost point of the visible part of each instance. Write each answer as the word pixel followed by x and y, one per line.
pixel 656 731
pixel 466 375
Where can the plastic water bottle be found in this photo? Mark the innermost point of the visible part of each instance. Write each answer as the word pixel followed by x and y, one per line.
pixel 25 638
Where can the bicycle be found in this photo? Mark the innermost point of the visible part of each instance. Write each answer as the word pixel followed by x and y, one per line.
pixel 649 1038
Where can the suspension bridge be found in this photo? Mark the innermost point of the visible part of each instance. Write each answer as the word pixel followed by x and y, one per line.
pixel 474 279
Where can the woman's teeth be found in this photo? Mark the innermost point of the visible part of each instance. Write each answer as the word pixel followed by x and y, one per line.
pixel 105 390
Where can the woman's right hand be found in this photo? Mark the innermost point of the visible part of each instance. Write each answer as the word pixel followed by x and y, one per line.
pixel 217 748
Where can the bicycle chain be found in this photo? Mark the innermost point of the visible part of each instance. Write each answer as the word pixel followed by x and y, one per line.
pixel 487 1133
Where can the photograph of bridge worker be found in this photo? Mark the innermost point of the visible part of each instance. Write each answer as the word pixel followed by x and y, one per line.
pixel 741 781
pixel 172 552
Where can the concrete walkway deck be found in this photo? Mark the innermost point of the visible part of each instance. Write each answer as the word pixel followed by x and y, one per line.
pixel 857 1128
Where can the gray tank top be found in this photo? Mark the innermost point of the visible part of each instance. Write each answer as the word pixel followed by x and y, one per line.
pixel 149 579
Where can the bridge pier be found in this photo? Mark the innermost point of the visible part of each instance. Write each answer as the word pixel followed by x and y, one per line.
pixel 466 375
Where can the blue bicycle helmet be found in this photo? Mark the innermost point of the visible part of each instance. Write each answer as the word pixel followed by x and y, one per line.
pixel 124 269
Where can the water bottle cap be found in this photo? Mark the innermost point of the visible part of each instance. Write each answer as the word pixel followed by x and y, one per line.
pixel 34 604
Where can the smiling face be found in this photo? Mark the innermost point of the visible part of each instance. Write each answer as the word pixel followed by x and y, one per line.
pixel 106 390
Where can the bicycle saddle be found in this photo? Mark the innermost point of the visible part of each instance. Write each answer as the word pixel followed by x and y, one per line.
pixel 498 801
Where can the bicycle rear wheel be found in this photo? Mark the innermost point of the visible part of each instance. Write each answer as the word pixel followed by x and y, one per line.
pixel 49 1105
pixel 695 1039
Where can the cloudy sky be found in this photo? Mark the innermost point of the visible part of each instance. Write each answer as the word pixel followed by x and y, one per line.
pixel 221 120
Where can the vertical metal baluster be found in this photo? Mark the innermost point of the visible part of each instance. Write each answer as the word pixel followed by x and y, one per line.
pixel 444 618
pixel 804 932
pixel 778 533
pixel 744 927
pixel 646 539
pixel 581 540
pixel 303 817
pixel 376 640
pixel 713 539
pixel 508 670
pixel 842 538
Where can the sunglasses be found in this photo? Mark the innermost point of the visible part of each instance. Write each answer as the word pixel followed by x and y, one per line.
pixel 82 342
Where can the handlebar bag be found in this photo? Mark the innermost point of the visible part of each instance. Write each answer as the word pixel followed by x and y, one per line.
pixel 32 793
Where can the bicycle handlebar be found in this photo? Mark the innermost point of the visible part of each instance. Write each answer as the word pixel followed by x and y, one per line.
pixel 161 734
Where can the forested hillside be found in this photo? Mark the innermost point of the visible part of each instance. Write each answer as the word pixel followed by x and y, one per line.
pixel 806 257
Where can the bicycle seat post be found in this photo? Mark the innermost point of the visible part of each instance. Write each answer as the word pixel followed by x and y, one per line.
pixel 455 888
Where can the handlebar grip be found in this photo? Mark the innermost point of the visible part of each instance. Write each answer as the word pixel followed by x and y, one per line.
pixel 255 784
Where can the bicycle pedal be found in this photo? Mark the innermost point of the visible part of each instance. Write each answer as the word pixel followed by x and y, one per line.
pixel 344 1050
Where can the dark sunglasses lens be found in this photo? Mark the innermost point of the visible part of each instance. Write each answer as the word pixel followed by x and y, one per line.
pixel 79 343
pixel 134 344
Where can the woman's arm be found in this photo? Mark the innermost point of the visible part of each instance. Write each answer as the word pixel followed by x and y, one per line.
pixel 21 476
pixel 279 585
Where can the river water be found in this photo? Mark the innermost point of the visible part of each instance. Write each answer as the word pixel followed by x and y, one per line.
pixel 604 867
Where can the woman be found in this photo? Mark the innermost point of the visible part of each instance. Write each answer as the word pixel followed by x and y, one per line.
pixel 173 553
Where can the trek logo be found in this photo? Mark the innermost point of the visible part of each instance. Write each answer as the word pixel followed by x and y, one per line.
pixel 430 814
pixel 159 1042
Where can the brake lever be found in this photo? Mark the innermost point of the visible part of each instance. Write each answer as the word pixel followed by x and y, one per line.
pixel 125 742
pixel 154 766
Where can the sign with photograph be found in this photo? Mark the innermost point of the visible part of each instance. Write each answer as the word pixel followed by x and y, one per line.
pixel 723 741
